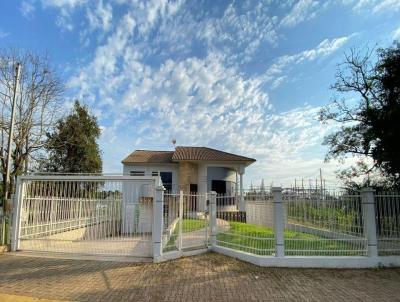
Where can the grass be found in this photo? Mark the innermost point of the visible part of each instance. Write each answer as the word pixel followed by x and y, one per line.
pixel 260 240
pixel 188 225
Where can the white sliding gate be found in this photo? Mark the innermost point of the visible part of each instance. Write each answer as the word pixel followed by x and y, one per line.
pixel 95 215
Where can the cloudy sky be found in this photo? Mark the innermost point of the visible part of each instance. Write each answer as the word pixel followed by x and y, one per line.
pixel 247 77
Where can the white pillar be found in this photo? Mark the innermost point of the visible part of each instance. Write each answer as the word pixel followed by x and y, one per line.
pixel 237 185
pixel 368 210
pixel 202 178
pixel 213 217
pixel 16 217
pixel 242 206
pixel 158 205
pixel 180 242
pixel 279 222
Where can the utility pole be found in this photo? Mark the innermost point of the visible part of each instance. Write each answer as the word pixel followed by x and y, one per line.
pixel 320 177
pixel 11 134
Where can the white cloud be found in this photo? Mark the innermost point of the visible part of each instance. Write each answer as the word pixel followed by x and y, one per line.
pixel 396 34
pixel 65 8
pixel 100 17
pixel 323 49
pixel 3 34
pixel 63 3
pixel 374 6
pixel 27 9
pixel 199 100
pixel 301 11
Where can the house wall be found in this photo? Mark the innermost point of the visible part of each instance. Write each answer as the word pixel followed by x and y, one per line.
pixel 149 168
pixel 219 173
pixel 188 174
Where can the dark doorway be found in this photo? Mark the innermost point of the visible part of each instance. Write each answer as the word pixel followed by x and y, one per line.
pixel 193 188
pixel 166 178
pixel 218 186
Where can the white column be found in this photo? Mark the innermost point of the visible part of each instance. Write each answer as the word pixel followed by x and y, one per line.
pixel 279 222
pixel 202 178
pixel 213 217
pixel 368 210
pixel 158 204
pixel 180 243
pixel 16 217
pixel 237 185
pixel 242 206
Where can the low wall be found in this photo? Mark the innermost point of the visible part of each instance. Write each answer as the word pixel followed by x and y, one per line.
pixel 311 262
pixel 261 213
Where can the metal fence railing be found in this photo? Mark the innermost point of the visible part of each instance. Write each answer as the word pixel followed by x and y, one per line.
pixel 4 229
pixel 324 225
pixel 87 215
pixel 315 224
pixel 186 221
pixel 387 211
pixel 172 223
pixel 115 216
pixel 249 231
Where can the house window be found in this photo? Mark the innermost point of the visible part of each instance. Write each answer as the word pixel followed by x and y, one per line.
pixel 218 186
pixel 137 173
pixel 166 178
pixel 154 173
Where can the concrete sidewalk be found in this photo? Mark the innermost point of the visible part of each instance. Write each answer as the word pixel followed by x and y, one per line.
pixel 208 277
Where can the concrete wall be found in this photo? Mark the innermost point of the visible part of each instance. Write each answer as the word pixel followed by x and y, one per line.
pixel 219 173
pixel 149 168
pixel 261 213
pixel 188 174
pixel 137 213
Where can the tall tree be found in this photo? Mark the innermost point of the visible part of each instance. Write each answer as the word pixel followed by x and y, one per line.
pixel 369 129
pixel 73 147
pixel 37 103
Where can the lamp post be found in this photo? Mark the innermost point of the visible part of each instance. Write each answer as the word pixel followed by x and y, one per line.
pixel 11 133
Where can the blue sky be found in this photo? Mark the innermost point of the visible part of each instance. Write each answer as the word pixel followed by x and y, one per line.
pixel 248 77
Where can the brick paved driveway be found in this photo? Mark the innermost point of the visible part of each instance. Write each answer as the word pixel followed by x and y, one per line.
pixel 209 277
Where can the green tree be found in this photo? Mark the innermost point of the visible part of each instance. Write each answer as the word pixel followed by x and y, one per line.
pixel 73 147
pixel 369 129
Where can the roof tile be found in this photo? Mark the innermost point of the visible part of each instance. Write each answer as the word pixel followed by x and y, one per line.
pixel 183 153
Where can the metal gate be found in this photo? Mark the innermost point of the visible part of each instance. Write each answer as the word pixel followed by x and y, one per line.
pixel 186 222
pixel 96 215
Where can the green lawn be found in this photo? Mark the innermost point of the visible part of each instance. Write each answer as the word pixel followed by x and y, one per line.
pixel 189 225
pixel 260 240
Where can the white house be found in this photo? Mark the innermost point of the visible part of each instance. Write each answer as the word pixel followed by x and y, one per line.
pixel 191 169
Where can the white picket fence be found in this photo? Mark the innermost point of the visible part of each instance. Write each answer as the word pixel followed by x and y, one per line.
pixel 134 216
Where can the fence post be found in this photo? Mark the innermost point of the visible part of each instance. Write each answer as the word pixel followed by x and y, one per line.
pixel 279 222
pixel 158 224
pixel 213 217
pixel 180 242
pixel 16 215
pixel 368 209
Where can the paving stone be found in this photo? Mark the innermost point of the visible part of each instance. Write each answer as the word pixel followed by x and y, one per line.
pixel 208 277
